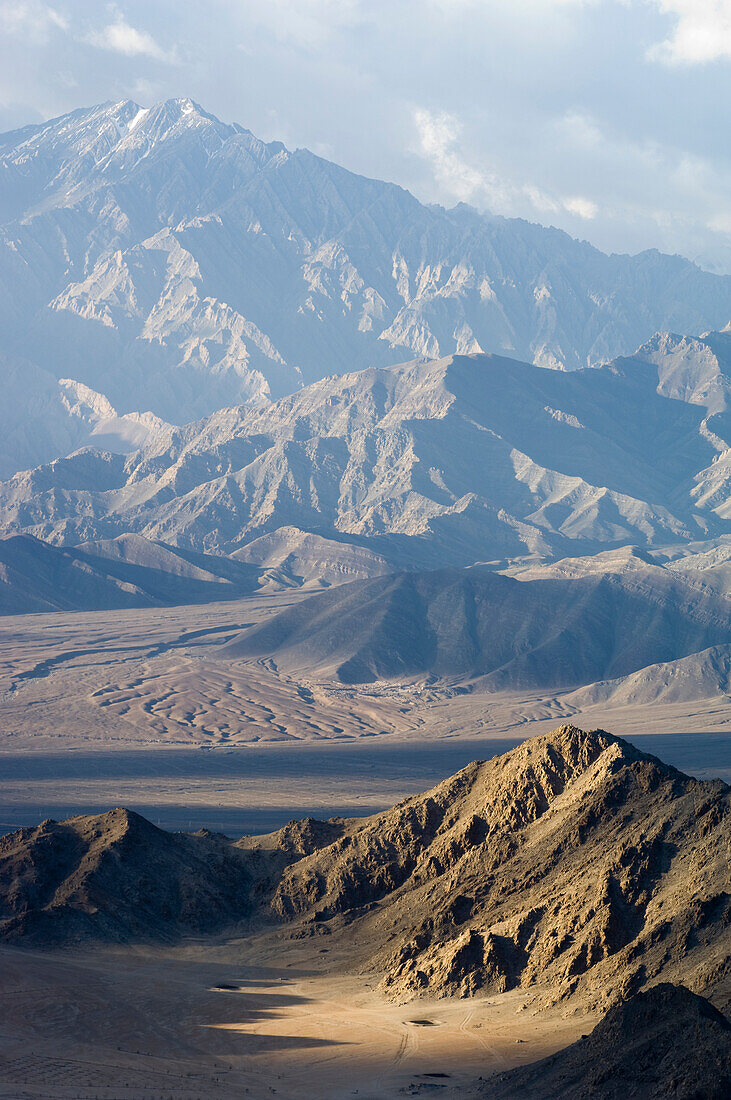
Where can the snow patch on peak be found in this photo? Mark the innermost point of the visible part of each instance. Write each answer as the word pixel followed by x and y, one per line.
pixel 142 113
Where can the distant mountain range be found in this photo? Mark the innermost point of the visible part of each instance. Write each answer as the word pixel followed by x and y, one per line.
pixel 42 417
pixel 172 265
pixel 436 462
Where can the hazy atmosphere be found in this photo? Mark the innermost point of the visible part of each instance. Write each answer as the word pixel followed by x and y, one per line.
pixel 365 550
pixel 606 118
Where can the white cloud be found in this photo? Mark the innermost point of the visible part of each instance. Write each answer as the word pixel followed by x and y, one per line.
pixel 581 130
pixel 543 109
pixel 308 23
pixel 583 208
pixel 647 183
pixel 122 38
pixel 438 134
pixel 702 32
pixel 438 137
pixel 30 20
pixel 514 6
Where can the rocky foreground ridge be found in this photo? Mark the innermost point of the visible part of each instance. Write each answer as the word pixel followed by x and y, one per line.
pixel 573 866
pixel 667 1042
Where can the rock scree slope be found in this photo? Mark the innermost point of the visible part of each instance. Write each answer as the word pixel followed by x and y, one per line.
pixel 667 1042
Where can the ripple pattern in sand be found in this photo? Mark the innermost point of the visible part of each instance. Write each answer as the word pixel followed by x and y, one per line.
pixel 186 698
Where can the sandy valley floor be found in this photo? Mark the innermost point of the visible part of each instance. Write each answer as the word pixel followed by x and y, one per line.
pixel 243 1018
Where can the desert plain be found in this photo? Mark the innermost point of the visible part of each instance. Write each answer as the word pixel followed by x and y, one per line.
pixel 142 708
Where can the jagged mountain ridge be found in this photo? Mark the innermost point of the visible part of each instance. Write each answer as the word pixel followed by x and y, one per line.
pixel 573 866
pixel 116 877
pixel 452 461
pixel 179 264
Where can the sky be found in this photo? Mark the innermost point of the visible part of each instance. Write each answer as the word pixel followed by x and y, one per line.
pixel 607 118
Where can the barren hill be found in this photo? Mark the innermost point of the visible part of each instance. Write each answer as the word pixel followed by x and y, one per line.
pixel 573 865
pixel 115 876
pixel 129 571
pixel 556 631
pixel 666 1042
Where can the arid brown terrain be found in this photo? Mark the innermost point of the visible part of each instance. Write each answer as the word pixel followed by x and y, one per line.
pixel 537 890
pixel 575 862
pixel 338 524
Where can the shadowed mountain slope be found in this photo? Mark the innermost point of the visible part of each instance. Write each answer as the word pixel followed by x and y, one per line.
pixel 128 571
pixel 117 877
pixel 555 632
pixel 43 417
pixel 574 865
pixel 666 1042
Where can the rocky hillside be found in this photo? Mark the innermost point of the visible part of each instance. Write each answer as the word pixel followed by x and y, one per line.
pixel 174 263
pixel 667 1042
pixel 556 631
pixel 574 865
pixel 464 459
pixel 117 877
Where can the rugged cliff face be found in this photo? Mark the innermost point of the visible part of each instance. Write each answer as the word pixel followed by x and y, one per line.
pixel 574 864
